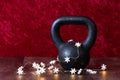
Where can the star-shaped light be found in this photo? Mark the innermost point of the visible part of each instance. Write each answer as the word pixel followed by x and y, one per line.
pixel 73 71
pixel 57 58
pixel 40 70
pixel 55 70
pixel 50 67
pixel 79 71
pixel 70 40
pixel 78 44
pixel 42 64
pixel 37 66
pixel 52 62
pixel 20 70
pixel 34 64
pixel 103 67
pixel 67 59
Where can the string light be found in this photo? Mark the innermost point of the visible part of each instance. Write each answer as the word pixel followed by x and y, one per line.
pixel 41 68
pixel 50 67
pixel 91 71
pixel 78 44
pixel 20 70
pixel 73 71
pixel 103 67
pixel 42 64
pixel 67 59
pixel 38 72
pixel 79 71
pixel 35 65
pixel 57 58
pixel 55 70
pixel 52 62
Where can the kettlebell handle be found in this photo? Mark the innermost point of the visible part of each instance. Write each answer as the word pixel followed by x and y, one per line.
pixel 92 31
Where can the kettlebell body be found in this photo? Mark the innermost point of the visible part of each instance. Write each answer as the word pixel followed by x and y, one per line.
pixel 73 54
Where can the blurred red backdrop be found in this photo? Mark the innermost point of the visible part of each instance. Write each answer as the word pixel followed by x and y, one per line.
pixel 25 26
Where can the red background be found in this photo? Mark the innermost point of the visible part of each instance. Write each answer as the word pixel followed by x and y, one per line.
pixel 25 26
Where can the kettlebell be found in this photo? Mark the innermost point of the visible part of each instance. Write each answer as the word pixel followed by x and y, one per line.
pixel 73 54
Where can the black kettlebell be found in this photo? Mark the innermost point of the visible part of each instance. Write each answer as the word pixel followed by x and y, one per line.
pixel 73 54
